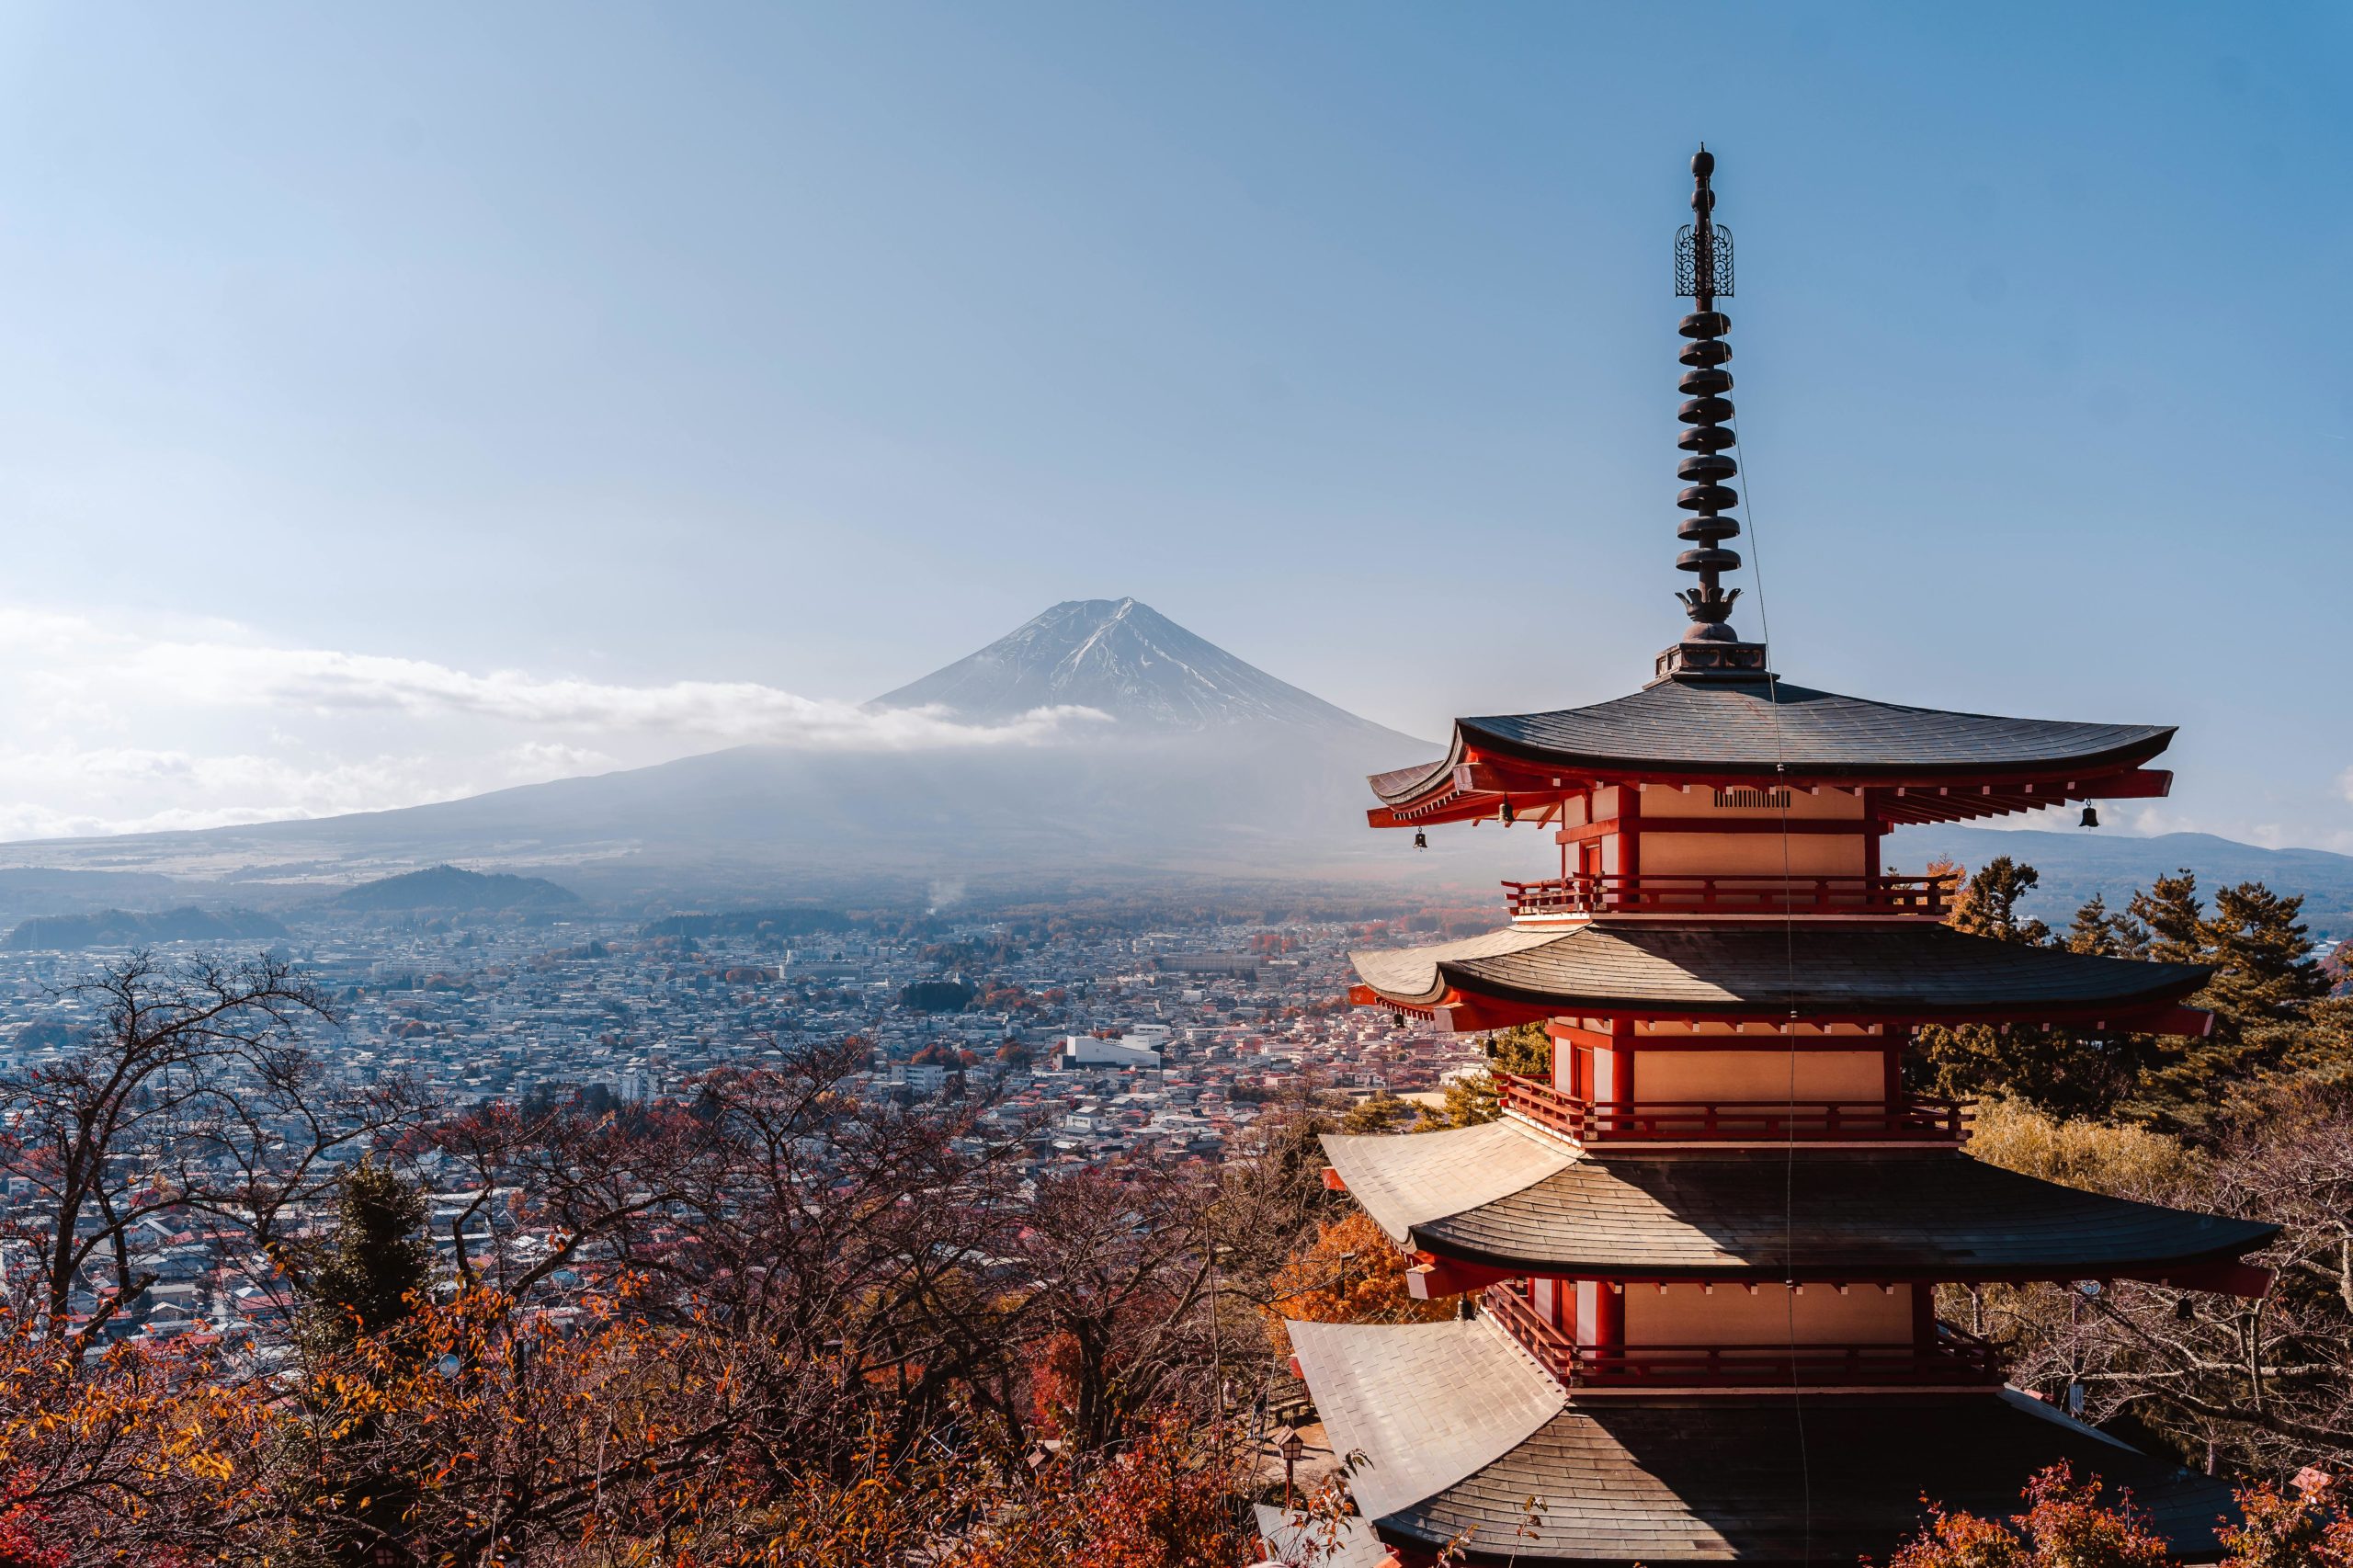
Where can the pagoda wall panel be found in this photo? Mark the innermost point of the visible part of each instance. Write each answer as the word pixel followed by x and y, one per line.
pixel 1827 805
pixel 1721 1075
pixel 1753 853
pixel 1670 1033
pixel 1688 1315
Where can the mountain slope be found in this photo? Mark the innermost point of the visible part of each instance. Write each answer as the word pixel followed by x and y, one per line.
pixel 455 889
pixel 1210 767
pixel 1126 659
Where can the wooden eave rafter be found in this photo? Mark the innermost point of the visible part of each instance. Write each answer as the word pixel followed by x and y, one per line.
pixel 1441 1270
pixel 1479 785
pixel 1466 1010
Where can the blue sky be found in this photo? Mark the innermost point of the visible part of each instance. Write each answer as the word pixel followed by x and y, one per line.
pixel 398 401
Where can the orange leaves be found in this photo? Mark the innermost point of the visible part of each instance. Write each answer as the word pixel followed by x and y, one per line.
pixel 2065 1525
pixel 1353 1273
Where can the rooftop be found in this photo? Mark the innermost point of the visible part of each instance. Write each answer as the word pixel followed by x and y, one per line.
pixel 1506 1196
pixel 1907 970
pixel 1463 1438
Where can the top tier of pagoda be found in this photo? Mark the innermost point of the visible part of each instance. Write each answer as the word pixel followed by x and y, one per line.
pixel 1715 714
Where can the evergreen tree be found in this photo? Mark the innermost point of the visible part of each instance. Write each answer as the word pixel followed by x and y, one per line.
pixel 2174 918
pixel 1988 904
pixel 2105 933
pixel 1524 1050
pixel 380 1257
pixel 377 1263
pixel 2266 994
pixel 1380 1112
pixel 2267 973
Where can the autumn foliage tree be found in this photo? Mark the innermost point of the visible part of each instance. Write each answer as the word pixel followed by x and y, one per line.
pixel 2070 1524
pixel 1353 1273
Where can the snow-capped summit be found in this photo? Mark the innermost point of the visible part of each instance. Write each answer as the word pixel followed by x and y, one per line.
pixel 1126 659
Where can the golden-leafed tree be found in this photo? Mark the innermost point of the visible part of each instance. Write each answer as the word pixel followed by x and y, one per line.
pixel 1352 1273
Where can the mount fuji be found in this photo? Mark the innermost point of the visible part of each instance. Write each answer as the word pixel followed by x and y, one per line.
pixel 1187 762
pixel 1123 658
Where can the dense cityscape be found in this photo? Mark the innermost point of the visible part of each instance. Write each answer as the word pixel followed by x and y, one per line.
pixel 1083 1043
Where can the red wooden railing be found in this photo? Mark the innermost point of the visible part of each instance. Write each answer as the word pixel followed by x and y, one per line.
pixel 1955 1356
pixel 1647 893
pixel 1912 1119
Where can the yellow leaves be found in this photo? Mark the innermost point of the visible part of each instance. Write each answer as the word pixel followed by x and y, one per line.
pixel 1353 1273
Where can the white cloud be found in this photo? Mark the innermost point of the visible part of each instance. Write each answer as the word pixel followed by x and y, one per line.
pixel 203 724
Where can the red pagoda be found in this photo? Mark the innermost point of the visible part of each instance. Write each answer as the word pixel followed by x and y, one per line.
pixel 1704 1251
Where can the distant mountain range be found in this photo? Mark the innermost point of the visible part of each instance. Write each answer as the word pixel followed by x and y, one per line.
pixel 452 889
pixel 1210 768
pixel 124 928
pixel 2074 866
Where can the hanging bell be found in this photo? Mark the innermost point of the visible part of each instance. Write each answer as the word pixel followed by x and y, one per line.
pixel 2183 1309
pixel 1504 815
pixel 2091 816
pixel 1421 839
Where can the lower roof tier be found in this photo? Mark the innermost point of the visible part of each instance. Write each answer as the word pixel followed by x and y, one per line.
pixel 1898 971
pixel 1460 1432
pixel 1503 1196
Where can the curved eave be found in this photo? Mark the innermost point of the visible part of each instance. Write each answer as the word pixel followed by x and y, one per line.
pixel 2187 1266
pixel 1894 972
pixel 1475 740
pixel 1917 765
pixel 1662 1481
pixel 1505 1197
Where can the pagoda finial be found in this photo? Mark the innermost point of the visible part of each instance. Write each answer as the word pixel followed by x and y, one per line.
pixel 1703 273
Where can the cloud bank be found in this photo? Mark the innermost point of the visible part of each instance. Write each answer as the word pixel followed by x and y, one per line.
pixel 121 730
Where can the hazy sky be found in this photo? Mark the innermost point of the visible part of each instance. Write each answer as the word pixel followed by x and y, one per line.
pixel 400 401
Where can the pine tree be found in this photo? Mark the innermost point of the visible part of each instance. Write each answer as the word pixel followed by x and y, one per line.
pixel 1988 904
pixel 1525 1050
pixel 2174 918
pixel 2104 933
pixel 2267 970
pixel 377 1264
pixel 379 1260
pixel 2265 984
pixel 2056 1071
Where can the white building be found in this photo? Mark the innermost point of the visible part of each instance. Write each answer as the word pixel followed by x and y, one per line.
pixel 1086 1051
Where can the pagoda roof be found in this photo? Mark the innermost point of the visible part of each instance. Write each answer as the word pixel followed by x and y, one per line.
pixel 1909 970
pixel 1774 731
pixel 1298 1536
pixel 1460 1431
pixel 1506 1195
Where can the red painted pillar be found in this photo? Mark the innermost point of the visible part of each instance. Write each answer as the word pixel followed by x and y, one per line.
pixel 1630 833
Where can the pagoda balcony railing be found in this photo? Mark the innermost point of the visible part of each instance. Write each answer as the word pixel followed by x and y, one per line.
pixel 1911 1118
pixel 1610 892
pixel 1954 1358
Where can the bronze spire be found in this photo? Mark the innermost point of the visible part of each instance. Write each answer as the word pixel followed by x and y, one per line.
pixel 1702 273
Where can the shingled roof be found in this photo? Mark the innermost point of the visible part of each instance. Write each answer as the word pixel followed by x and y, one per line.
pixel 1510 1197
pixel 1458 1432
pixel 1757 726
pixel 1670 966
